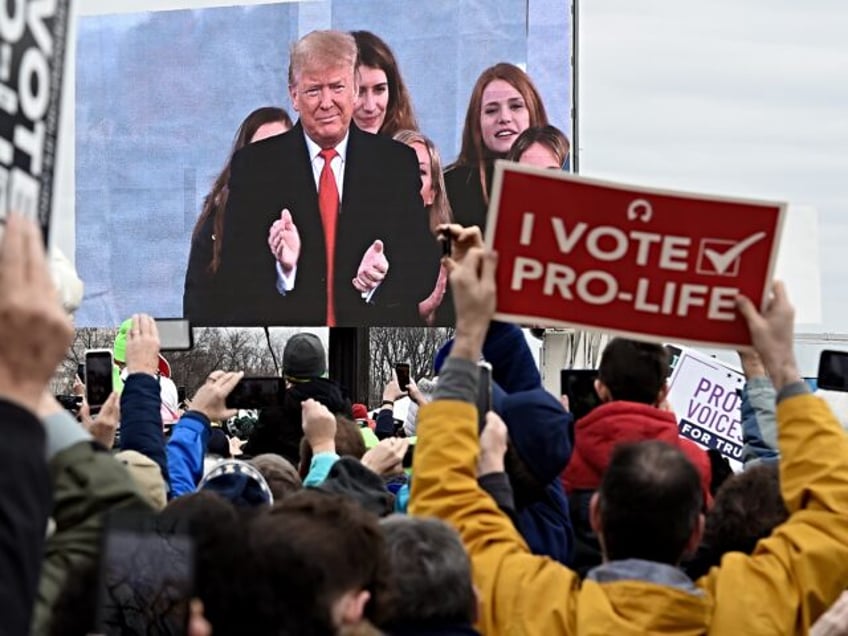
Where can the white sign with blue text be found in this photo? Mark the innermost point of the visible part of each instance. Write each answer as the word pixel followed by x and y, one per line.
pixel 706 395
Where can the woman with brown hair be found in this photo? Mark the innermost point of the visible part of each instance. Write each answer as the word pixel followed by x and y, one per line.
pixel 503 104
pixel 205 255
pixel 435 202
pixel 383 105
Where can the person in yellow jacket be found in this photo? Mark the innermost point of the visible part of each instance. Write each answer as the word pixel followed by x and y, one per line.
pixel 792 577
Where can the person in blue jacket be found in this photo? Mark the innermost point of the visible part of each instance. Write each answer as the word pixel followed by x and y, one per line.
pixel 540 434
pixel 190 437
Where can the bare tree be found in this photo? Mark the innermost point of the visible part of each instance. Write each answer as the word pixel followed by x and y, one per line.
pixel 248 350
pixel 228 349
pixel 84 339
pixel 389 345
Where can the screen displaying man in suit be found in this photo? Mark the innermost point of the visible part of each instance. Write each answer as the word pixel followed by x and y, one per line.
pixel 324 224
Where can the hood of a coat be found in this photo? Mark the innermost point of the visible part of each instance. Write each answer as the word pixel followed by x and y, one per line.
pixel 539 430
pixel 610 424
pixel 642 597
pixel 620 422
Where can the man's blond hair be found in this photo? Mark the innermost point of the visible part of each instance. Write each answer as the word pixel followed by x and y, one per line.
pixel 322 49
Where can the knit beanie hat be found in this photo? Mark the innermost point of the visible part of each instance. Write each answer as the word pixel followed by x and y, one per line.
pixel 304 357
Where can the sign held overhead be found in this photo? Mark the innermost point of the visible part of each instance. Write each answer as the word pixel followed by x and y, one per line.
pixel 636 261
pixel 32 57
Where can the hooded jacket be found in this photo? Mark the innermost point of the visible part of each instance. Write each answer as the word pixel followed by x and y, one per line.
pixel 87 482
pixel 513 366
pixel 540 430
pixel 595 437
pixel 791 579
pixel 619 422
pixel 348 477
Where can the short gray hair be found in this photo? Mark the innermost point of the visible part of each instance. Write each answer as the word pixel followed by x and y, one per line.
pixel 281 475
pixel 329 49
pixel 433 572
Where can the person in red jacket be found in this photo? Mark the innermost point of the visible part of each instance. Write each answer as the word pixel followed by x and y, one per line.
pixel 632 386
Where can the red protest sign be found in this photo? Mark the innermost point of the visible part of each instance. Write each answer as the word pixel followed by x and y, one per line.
pixel 637 261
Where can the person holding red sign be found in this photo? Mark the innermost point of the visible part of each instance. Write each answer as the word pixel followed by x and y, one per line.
pixel 648 509
pixel 503 104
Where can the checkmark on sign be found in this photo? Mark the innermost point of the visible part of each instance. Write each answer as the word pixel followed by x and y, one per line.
pixel 720 257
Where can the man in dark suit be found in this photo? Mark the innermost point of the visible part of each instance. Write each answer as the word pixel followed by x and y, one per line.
pixel 324 224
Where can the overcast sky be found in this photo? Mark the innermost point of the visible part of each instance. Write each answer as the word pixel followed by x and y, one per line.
pixel 740 98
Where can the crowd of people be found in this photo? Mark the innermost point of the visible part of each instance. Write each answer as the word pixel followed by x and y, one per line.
pixel 366 250
pixel 329 519
pixel 523 521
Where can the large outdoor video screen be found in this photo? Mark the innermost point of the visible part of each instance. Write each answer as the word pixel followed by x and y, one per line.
pixel 160 95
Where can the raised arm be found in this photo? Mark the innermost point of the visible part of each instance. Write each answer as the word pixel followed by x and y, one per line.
pixel 758 411
pixel 512 582
pixel 187 446
pixel 141 415
pixel 803 566
pixel 34 336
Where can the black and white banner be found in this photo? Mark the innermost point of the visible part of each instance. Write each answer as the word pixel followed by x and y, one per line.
pixel 33 35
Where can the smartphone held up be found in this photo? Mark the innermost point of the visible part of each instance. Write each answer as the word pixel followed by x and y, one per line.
pixel 147 573
pixel 98 377
pixel 578 385
pixel 833 371
pixel 402 373
pixel 484 393
pixel 257 393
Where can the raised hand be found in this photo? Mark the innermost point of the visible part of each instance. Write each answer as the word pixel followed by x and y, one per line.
pixel 319 426
pixel 772 335
pixel 392 391
pixel 386 458
pixel 284 241
pixel 372 269
pixel 415 393
pixel 211 398
pixel 474 295
pixel 105 424
pixel 462 239
pixel 752 365
pixel 493 441
pixel 35 332
pixel 143 346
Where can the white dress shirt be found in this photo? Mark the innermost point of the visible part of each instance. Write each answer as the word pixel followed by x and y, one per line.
pixel 337 165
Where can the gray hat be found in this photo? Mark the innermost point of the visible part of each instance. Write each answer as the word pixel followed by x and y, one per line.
pixel 304 357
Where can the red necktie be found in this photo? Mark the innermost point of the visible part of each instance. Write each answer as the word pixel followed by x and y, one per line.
pixel 328 202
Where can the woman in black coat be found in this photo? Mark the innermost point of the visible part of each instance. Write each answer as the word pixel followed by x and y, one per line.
pixel 503 104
